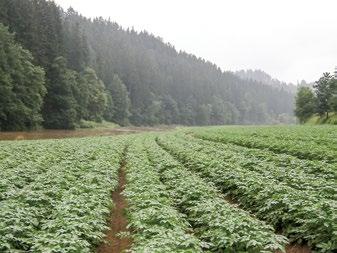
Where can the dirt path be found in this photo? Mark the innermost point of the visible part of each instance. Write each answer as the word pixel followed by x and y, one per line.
pixel 59 134
pixel 298 249
pixel 118 221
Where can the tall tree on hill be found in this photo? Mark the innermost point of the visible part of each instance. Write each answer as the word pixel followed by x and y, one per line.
pixel 21 86
pixel 170 111
pixel 120 100
pixel 333 97
pixel 305 104
pixel 97 99
pixel 75 41
pixel 323 94
pixel 38 27
pixel 59 110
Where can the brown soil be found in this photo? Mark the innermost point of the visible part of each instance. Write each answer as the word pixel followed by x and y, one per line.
pixel 118 222
pixel 295 248
pixel 58 134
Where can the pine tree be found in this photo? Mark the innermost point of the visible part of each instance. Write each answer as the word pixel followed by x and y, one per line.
pixel 323 94
pixel 75 41
pixel 60 105
pixel 120 100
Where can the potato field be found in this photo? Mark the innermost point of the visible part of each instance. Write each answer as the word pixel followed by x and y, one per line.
pixel 226 189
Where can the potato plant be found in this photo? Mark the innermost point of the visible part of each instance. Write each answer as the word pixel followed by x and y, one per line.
pixel 220 225
pixel 301 215
pixel 157 226
pixel 214 189
pixel 317 178
pixel 60 205
pixel 302 148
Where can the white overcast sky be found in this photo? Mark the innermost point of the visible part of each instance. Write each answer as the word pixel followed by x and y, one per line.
pixel 289 39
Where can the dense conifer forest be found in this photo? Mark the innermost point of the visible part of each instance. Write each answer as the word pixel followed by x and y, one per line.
pixel 58 68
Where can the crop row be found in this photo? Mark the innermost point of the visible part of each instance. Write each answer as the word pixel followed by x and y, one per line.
pixel 316 178
pixel 221 226
pixel 300 215
pixel 64 208
pixel 157 226
pixel 301 149
pixel 319 169
pixel 20 168
pixel 322 135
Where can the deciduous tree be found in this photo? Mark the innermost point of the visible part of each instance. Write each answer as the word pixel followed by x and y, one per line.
pixel 21 86
pixel 305 104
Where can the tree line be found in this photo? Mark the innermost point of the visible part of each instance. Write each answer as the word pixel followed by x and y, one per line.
pixel 93 69
pixel 321 99
pixel 263 77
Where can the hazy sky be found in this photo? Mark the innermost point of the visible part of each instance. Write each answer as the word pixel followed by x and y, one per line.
pixel 289 39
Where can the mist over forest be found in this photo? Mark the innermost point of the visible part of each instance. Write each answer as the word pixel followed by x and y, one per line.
pixel 94 70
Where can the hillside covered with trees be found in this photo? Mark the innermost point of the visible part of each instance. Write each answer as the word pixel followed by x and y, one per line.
pixel 263 77
pixel 58 68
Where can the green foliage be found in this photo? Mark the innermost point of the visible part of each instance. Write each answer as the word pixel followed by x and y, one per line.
pixel 288 144
pixel 148 81
pixel 317 120
pixel 169 111
pixel 323 102
pixel 296 196
pixel 21 86
pixel 119 102
pixel 333 95
pixel 191 190
pixel 305 104
pixel 97 99
pixel 60 104
pixel 75 41
pixel 323 94
pixel 166 86
pixel 37 26
pixel 56 195
pixel 97 125
pixel 157 226
pixel 220 226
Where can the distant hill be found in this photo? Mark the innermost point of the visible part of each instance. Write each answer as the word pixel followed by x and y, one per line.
pixel 263 77
pixel 169 86
pixel 159 85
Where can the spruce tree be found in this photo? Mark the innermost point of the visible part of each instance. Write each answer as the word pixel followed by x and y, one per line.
pixel 323 94
pixel 60 105
pixel 120 100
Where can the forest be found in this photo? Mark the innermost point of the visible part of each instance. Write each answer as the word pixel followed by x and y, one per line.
pixel 58 68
